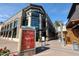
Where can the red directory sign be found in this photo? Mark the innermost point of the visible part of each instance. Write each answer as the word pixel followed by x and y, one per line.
pixel 28 39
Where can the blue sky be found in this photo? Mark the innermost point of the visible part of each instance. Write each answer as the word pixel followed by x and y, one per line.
pixel 56 11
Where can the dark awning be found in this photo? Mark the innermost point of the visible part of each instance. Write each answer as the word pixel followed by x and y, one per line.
pixel 76 26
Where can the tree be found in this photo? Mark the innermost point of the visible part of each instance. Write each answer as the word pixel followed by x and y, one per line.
pixel 57 23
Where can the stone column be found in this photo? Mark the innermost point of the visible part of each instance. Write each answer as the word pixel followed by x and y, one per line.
pixel 5 32
pixel 17 30
pixel 19 34
pixel 2 33
pixel 8 33
pixel 40 27
pixel 12 31
pixel 20 40
pixel 46 31
pixel 18 27
pixel 29 19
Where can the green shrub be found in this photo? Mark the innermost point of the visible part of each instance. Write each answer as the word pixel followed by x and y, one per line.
pixel 4 52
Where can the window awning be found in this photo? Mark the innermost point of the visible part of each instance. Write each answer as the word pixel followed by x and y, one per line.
pixel 72 23
pixel 76 26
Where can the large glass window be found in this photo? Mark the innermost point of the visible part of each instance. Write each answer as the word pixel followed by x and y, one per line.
pixel 1 33
pixel 35 13
pixel 24 20
pixel 35 22
pixel 10 26
pixel 14 29
pixel 2 29
pixel 6 33
pixel 15 23
pixel 10 33
pixel 35 19
pixel 14 33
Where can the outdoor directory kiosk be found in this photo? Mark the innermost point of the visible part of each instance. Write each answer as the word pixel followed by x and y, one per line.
pixel 28 41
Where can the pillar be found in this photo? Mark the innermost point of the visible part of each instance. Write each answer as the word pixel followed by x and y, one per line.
pixel 8 33
pixel 5 33
pixel 46 31
pixel 29 19
pixel 17 29
pixel 12 31
pixel 40 27
pixel 19 34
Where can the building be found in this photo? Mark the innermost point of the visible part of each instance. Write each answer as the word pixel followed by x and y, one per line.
pixel 0 25
pixel 61 30
pixel 30 16
pixel 34 16
pixel 73 24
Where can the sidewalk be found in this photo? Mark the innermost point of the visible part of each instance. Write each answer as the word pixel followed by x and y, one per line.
pixel 56 49
pixel 11 45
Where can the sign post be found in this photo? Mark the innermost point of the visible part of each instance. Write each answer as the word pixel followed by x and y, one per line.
pixel 28 41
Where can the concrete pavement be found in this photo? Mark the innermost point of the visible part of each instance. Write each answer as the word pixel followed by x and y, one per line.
pixel 56 49
pixel 10 44
pixel 53 48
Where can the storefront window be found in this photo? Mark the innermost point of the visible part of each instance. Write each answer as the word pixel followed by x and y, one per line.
pixel 25 20
pixel 1 33
pixel 14 29
pixel 35 19
pixel 9 33
pixel 35 22
pixel 6 33
pixel 2 29
pixel 14 33
pixel 35 13
pixel 15 23
pixel 10 25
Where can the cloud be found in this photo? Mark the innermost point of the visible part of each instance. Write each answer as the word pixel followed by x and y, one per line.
pixel 4 17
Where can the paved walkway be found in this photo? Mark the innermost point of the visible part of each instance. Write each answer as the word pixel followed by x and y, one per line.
pixel 53 48
pixel 56 49
pixel 11 45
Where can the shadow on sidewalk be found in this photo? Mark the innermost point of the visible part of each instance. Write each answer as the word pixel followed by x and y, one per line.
pixel 40 49
pixel 47 44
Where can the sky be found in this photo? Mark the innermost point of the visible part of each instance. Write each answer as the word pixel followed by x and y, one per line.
pixel 56 11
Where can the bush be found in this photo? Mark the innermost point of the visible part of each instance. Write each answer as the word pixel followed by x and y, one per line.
pixel 4 51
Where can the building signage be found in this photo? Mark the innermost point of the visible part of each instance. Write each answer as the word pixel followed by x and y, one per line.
pixel 28 39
